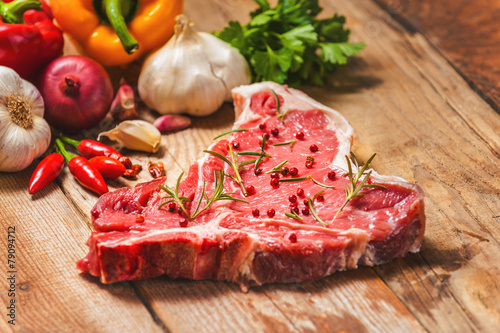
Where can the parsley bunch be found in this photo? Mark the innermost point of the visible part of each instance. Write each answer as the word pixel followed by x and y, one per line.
pixel 288 44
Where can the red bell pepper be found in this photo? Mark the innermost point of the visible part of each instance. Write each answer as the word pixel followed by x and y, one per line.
pixel 29 40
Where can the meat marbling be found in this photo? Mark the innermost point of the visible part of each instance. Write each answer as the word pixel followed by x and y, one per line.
pixel 227 242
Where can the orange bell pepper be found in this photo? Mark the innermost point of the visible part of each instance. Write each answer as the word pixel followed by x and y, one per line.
pixel 116 32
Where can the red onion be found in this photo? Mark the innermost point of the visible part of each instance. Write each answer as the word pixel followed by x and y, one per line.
pixel 77 93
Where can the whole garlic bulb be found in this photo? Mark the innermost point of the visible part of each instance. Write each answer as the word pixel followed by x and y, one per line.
pixel 24 134
pixel 193 73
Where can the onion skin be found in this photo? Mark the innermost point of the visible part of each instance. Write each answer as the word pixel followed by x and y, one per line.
pixel 77 92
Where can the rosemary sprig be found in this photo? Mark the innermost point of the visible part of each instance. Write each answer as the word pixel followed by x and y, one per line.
pixel 277 101
pixel 320 184
pixel 236 168
pixel 203 194
pixel 229 132
pixel 279 115
pixel 291 143
pixel 233 163
pixel 174 196
pixel 222 157
pixel 294 215
pixel 313 212
pixel 353 189
pixel 298 179
pixel 263 154
pixel 242 164
pixel 282 116
pixel 278 167
pixel 250 153
pixel 218 194
pixel 236 165
pixel 317 193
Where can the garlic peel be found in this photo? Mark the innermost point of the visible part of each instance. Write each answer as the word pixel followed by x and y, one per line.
pixel 135 135
pixel 24 134
pixel 193 73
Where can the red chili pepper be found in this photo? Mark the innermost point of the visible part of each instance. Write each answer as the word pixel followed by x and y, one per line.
pixel 90 148
pixel 108 167
pixel 87 175
pixel 29 40
pixel 46 172
pixel 83 171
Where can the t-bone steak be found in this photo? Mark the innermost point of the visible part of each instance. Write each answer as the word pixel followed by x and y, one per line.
pixel 254 242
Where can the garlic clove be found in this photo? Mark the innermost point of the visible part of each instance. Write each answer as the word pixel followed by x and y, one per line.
pixel 172 122
pixel 135 135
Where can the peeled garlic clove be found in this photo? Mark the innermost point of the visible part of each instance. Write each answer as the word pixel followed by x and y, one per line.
pixel 172 122
pixel 136 135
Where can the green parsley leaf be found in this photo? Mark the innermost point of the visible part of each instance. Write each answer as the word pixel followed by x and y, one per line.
pixel 337 53
pixel 261 19
pixel 288 44
pixel 303 33
pixel 271 65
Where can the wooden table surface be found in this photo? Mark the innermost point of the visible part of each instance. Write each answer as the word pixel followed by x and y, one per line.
pixel 423 95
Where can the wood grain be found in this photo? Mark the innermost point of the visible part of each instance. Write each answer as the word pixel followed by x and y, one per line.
pixel 51 295
pixel 466 32
pixel 350 301
pixel 427 107
pixel 405 102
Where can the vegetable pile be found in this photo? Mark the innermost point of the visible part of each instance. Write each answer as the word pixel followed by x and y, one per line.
pixel 192 73
pixel 288 44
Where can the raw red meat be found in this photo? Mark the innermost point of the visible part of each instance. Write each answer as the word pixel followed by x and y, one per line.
pixel 240 242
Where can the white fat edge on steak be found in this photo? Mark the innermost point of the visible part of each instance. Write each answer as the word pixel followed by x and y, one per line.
pixel 297 100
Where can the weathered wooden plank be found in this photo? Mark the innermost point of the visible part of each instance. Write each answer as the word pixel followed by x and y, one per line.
pixel 206 306
pixel 50 294
pixel 354 301
pixel 466 33
pixel 406 103
pixel 428 126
